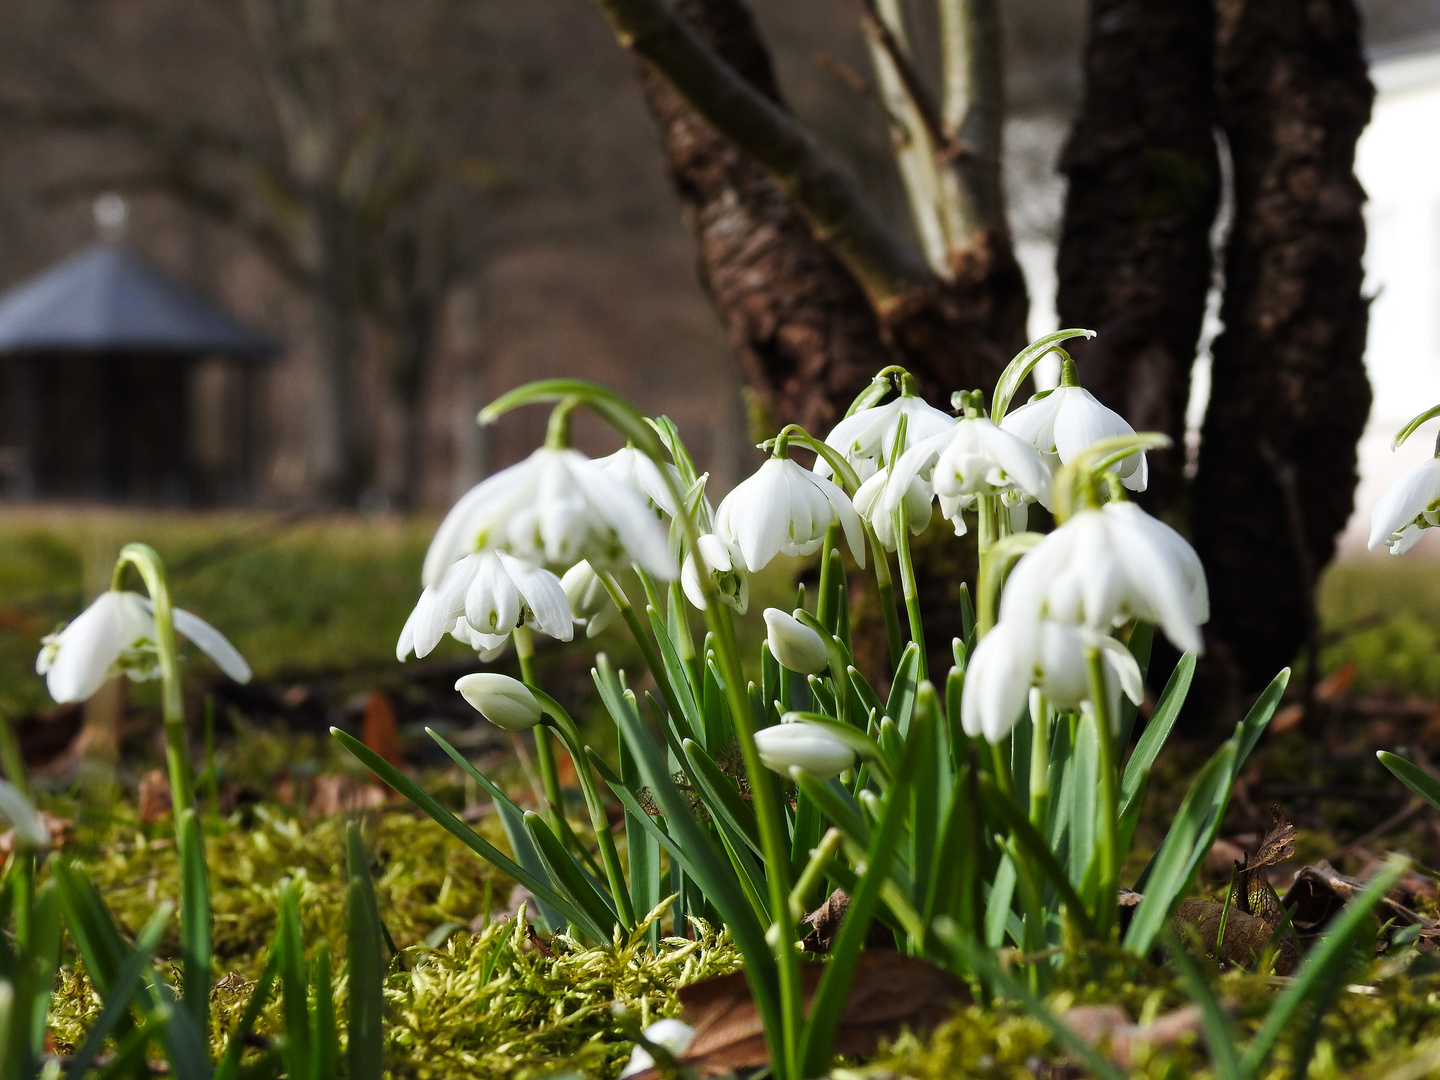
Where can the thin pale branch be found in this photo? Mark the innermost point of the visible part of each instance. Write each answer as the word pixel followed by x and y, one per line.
pixel 837 211
pixel 973 108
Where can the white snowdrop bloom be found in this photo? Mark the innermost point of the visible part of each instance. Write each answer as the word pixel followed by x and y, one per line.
pixel 117 634
pixel 1067 420
pixel 1107 565
pixel 590 602
pixel 866 438
pixel 795 645
pixel 555 507
pixel 783 509
pixel 803 745
pixel 505 702
pixel 638 471
pixel 872 507
pixel 1409 506
pixel 673 1035
pixel 726 569
pixel 1051 656
pixel 492 593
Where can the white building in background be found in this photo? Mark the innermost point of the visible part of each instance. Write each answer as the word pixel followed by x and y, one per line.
pixel 1398 162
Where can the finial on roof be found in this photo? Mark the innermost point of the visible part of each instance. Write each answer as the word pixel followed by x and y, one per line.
pixel 111 213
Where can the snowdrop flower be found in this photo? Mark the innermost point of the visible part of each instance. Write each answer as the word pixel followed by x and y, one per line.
pixel 872 507
pixel 1409 506
pixel 505 702
pixel 673 1035
pixel 638 471
pixel 590 602
pixel 1014 656
pixel 117 633
pixel 803 745
pixel 784 509
pixel 726 570
pixel 794 644
pixel 974 457
pixel 866 438
pixel 1068 419
pixel 491 593
pixel 554 507
pixel 1107 565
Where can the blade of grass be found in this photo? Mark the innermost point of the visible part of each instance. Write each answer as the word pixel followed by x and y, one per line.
pixel 365 1004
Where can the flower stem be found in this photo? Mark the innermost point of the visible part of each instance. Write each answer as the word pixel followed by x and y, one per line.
pixel 885 586
pixel 544 750
pixel 989 522
pixel 1106 843
pixel 908 586
pixel 1040 766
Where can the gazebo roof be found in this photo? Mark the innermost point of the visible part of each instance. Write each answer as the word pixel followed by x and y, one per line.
pixel 105 299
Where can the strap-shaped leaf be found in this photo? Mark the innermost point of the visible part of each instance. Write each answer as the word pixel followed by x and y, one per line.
pixel 1412 776
pixel 127 985
pixel 1162 720
pixel 565 872
pixel 365 990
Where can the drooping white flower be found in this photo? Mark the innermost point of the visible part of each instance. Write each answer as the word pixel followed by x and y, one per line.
pixel 673 1035
pixel 784 509
pixel 1409 506
pixel 800 744
pixel 1107 565
pixel 794 644
pixel 974 457
pixel 726 569
pixel 492 593
pixel 638 471
pixel 555 507
pixel 866 438
pixel 505 702
pixel 1065 421
pixel 871 505
pixel 117 633
pixel 590 602
pixel 1051 656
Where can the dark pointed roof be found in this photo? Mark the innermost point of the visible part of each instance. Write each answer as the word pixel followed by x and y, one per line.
pixel 105 299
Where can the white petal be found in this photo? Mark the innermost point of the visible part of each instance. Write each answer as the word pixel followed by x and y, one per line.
pixel 406 645
pixel 87 650
pixel 752 518
pixel 848 518
pixel 213 644
pixel 544 595
pixel 466 527
pixel 644 539
pixel 1404 500
pixel 491 601
pixel 1034 422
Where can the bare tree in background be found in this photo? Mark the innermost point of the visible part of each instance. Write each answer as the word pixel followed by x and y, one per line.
pixel 818 290
pixel 344 182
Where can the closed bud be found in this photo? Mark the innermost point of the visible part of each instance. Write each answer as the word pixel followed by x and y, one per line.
pixel 808 746
pixel 794 644
pixel 505 702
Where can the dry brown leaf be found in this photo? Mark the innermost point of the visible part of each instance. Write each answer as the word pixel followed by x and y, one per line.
pixel 1246 935
pixel 824 923
pixel 332 794
pixel 59 829
pixel 1108 1027
pixel 378 729
pixel 154 796
pixel 1320 891
pixel 889 992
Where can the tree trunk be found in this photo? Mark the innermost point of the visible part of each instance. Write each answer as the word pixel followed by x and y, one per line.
pixel 807 334
pixel 1134 259
pixel 1289 397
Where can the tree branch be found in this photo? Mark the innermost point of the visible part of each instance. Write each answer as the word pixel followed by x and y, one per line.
pixel 838 213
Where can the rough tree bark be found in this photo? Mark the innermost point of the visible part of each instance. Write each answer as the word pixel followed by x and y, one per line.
pixel 1134 261
pixel 1289 395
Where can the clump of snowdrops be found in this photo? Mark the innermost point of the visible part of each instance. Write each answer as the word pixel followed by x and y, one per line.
pixel 987 806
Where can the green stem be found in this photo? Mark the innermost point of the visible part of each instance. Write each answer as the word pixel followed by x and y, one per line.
pixel 641 635
pixel 544 750
pixel 908 586
pixel 989 525
pixel 885 586
pixel 1040 768
pixel 1107 844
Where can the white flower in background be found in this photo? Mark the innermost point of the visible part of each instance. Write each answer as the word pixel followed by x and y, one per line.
pixel 117 633
pixel 1409 506
pixel 638 471
pixel 726 569
pixel 1069 419
pixel 555 507
pixel 975 457
pixel 505 702
pixel 673 1035
pixel 866 438
pixel 795 645
pixel 872 507
pixel 1051 656
pixel 784 509
pixel 800 744
pixel 1107 565
pixel 590 602
pixel 491 593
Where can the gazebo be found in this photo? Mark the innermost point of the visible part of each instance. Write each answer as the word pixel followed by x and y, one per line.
pixel 99 395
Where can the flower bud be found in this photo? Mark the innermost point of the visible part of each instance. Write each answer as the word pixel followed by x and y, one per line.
pixel 794 644
pixel 673 1035
pixel 811 747
pixel 505 702
pixel 589 599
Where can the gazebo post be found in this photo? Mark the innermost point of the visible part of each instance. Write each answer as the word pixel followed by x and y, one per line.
pixel 113 394
pixel 27 423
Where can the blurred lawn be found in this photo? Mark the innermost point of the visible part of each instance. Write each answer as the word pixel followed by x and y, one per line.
pixel 294 596
pixel 1383 615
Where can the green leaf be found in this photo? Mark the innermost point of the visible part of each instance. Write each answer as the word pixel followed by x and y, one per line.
pixel 1412 776
pixel 721 796
pixel 617 410
pixel 195 945
pixel 1220 1035
pixel 539 886
pixel 324 1034
pixel 1162 720
pixel 1142 637
pixel 901 702
pixel 230 1062
pixel 294 986
pixel 565 872
pixel 365 1001
pixel 1020 367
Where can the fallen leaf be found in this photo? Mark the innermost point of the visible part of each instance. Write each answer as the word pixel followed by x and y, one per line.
pixel 890 992
pixel 378 730
pixel 1108 1028
pixel 154 796
pixel 1320 892
pixel 59 829
pixel 331 794
pixel 1337 682
pixel 824 923
pixel 1245 938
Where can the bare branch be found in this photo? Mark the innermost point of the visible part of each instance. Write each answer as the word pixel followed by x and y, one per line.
pixel 837 211
pixel 973 111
